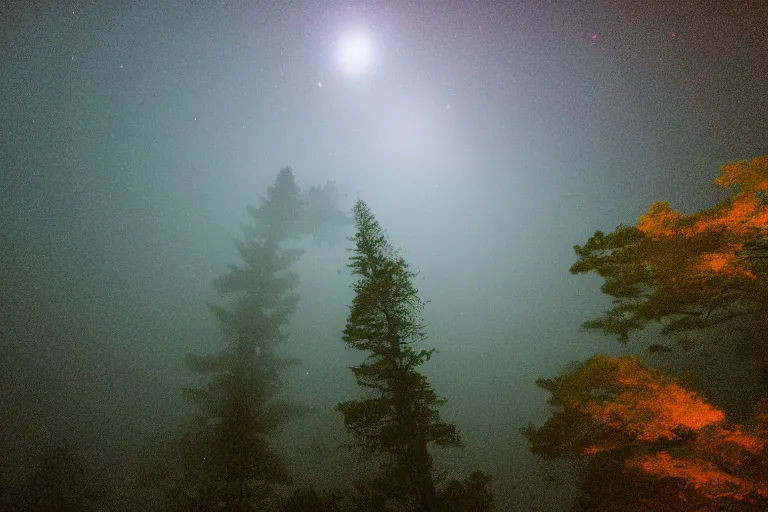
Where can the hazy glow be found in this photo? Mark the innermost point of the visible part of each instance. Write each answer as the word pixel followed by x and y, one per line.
pixel 355 53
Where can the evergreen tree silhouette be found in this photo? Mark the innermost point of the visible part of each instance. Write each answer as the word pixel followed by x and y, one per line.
pixel 399 417
pixel 240 409
pixel 321 216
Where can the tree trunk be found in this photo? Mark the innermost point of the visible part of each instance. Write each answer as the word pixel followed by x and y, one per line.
pixel 425 485
pixel 762 350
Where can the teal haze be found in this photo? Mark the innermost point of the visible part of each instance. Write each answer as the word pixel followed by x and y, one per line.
pixel 488 138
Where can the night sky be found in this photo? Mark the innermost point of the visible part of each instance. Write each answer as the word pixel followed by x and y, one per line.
pixel 487 137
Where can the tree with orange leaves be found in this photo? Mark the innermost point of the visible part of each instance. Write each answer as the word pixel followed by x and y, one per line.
pixel 651 444
pixel 690 271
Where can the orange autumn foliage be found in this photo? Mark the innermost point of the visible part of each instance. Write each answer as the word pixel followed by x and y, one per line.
pixel 746 176
pixel 648 406
pixel 662 430
pixel 746 442
pixel 660 221
pixel 726 264
pixel 742 217
pixel 628 401
pixel 686 271
pixel 703 476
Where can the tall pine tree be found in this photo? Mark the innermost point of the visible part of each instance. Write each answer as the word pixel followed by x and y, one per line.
pixel 399 418
pixel 240 409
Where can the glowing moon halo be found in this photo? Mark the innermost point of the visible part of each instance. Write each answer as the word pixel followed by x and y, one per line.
pixel 355 53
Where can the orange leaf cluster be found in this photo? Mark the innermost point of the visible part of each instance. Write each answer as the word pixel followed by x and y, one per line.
pixel 705 477
pixel 663 433
pixel 746 176
pixel 649 406
pixel 743 217
pixel 749 443
pixel 723 263
pixel 729 448
pixel 661 221
pixel 641 406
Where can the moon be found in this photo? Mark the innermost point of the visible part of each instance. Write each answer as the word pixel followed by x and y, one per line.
pixel 356 53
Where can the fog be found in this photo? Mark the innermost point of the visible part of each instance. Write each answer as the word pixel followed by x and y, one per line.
pixel 487 140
